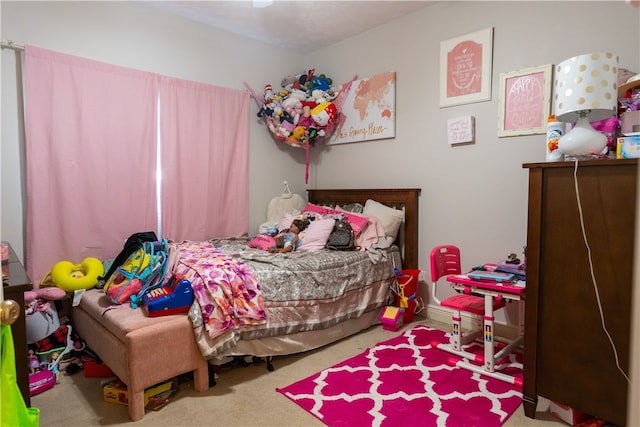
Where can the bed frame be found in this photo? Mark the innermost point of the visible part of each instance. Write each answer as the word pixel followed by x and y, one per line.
pixel 405 199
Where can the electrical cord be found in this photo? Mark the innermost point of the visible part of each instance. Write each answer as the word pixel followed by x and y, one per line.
pixel 593 276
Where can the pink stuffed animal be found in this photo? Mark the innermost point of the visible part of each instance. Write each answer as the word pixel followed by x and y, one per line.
pixel 39 299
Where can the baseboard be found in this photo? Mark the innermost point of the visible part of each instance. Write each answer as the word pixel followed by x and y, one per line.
pixel 441 315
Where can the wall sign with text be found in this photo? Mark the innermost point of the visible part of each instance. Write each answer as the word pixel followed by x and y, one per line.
pixel 525 101
pixel 465 68
pixel 461 130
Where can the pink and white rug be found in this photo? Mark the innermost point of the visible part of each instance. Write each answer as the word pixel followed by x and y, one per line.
pixel 406 382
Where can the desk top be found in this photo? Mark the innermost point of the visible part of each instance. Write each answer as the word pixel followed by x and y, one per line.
pixel 507 288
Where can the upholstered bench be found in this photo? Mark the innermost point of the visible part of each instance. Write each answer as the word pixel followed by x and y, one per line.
pixel 142 351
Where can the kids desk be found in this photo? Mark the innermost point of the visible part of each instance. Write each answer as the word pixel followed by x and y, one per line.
pixel 490 291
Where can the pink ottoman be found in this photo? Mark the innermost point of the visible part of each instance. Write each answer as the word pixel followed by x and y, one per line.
pixel 142 351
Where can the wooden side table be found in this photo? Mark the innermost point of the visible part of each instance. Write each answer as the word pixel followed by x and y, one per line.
pixel 14 287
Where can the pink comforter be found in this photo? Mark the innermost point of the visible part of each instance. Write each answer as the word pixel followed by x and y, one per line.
pixel 228 292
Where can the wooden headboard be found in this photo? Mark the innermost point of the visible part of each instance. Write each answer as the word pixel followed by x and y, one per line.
pixel 400 198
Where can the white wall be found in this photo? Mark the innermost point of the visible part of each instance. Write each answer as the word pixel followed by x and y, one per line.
pixel 474 196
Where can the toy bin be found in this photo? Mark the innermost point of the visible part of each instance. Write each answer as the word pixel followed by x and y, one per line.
pixel 409 280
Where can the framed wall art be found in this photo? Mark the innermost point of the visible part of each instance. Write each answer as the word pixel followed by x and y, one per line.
pixel 465 68
pixel 368 111
pixel 525 101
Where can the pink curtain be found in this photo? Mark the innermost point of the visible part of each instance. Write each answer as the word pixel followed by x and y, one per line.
pixel 204 133
pixel 90 150
pixel 92 155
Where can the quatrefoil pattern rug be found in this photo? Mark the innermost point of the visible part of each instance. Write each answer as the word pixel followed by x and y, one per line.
pixel 406 382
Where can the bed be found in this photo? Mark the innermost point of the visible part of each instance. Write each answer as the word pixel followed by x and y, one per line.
pixel 312 298
pixel 303 310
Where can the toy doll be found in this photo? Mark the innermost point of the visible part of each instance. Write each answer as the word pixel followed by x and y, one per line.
pixel 54 366
pixel 288 240
pixel 34 362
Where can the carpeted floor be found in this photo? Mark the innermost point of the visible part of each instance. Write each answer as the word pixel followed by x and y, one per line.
pixel 242 396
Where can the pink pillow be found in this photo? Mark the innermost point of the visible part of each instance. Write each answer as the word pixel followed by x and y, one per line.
pixel 286 221
pixel 315 236
pixel 358 222
pixel 315 208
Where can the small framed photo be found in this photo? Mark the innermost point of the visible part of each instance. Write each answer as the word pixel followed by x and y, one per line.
pixel 525 101
pixel 465 68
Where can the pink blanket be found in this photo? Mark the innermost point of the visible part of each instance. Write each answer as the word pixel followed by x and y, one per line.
pixel 226 289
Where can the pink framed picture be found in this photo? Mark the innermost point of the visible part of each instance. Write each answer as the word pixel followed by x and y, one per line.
pixel 525 101
pixel 465 68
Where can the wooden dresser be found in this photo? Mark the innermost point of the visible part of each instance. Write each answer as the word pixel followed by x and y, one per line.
pixel 568 356
pixel 14 288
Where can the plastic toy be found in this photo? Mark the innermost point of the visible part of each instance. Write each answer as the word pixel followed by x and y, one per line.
pixel 392 318
pixel 40 381
pixel 174 298
pixel 73 277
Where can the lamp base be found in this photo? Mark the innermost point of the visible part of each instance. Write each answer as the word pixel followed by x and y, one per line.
pixel 582 139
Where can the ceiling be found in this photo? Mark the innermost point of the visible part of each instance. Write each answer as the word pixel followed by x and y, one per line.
pixel 302 26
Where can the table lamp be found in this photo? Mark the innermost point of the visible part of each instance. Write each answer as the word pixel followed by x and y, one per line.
pixel 586 90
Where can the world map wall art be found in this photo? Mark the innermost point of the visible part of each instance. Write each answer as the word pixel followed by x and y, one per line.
pixel 369 111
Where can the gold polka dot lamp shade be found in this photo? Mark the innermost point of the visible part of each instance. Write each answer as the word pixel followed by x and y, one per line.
pixel 587 82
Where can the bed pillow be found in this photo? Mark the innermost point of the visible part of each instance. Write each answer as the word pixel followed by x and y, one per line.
pixel 358 222
pixel 315 236
pixel 315 208
pixel 286 221
pixel 389 218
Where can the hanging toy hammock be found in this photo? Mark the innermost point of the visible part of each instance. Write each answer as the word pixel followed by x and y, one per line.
pixel 303 112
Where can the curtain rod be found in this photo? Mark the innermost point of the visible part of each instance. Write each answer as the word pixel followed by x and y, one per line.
pixel 8 44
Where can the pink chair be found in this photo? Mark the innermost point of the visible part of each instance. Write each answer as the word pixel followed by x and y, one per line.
pixel 445 261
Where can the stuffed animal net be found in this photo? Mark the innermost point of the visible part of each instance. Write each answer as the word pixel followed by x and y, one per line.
pixel 304 111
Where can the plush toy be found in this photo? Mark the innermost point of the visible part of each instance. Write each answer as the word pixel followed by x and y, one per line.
pixel 286 128
pixel 297 136
pixel 305 119
pixel 320 96
pixel 292 107
pixel 268 93
pixel 288 81
pixel 44 294
pixel 324 113
pixel 298 94
pixel 72 277
pixel 320 82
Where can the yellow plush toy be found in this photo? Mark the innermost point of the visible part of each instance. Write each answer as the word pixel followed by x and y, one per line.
pixel 73 277
pixel 297 136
